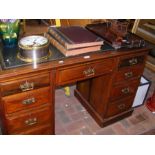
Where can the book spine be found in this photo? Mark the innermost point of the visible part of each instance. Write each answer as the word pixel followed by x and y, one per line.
pixel 56 44
pixel 58 37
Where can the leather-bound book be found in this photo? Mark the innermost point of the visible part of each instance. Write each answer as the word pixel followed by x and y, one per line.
pixel 71 52
pixel 75 37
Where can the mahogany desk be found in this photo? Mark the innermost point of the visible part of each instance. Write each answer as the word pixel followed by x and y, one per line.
pixel 106 84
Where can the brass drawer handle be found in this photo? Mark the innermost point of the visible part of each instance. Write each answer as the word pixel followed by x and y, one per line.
pixel 125 90
pixel 27 86
pixel 89 72
pixel 28 101
pixel 133 61
pixel 31 121
pixel 121 106
pixel 128 74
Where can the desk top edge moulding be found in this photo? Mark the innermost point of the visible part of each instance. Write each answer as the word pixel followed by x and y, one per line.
pixel 27 89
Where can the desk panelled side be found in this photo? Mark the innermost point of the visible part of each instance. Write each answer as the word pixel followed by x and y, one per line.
pixel 109 97
pixel 106 86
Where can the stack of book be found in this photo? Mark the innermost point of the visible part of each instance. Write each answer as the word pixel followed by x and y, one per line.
pixel 73 40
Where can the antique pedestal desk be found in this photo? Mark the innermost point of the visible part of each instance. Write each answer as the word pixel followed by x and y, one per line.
pixel 106 84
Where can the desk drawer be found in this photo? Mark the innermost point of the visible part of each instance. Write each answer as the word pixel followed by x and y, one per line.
pixel 45 129
pixel 87 70
pixel 26 100
pixel 29 120
pixel 131 61
pixel 124 90
pixel 25 84
pixel 128 74
pixel 119 107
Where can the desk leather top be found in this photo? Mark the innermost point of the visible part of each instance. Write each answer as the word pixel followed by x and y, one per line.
pixel 8 56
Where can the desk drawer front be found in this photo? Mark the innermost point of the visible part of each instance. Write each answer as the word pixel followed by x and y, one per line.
pixel 128 74
pixel 124 90
pixel 26 100
pixel 39 130
pixel 119 107
pixel 29 120
pixel 131 61
pixel 23 85
pixel 84 71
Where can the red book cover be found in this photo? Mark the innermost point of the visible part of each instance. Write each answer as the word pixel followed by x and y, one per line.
pixel 71 52
pixel 75 37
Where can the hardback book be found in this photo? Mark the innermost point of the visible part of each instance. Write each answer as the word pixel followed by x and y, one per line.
pixel 75 37
pixel 71 52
